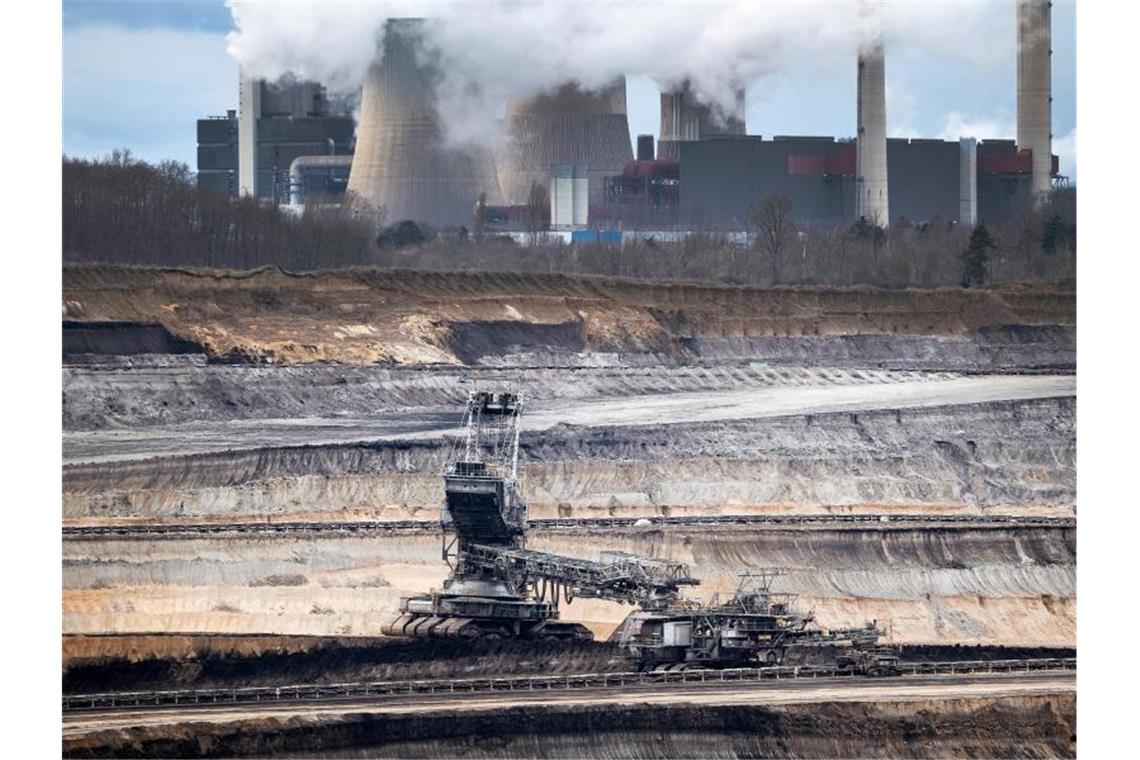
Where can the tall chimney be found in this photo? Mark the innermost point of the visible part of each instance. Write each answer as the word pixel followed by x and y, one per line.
pixel 249 112
pixel 1034 92
pixel 565 126
pixel 685 118
pixel 645 147
pixel 401 164
pixel 871 142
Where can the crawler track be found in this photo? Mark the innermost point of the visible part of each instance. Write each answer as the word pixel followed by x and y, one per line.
pixel 189 530
pixel 384 689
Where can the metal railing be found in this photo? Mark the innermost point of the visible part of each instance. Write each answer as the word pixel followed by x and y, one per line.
pixel 386 689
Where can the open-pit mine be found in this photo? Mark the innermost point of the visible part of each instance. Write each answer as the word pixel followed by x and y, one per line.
pixel 253 482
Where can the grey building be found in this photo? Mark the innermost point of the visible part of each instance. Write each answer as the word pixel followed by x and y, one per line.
pixel 250 152
pixel 217 153
pixel 721 179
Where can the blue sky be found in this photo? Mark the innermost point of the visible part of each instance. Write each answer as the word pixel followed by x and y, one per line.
pixel 138 75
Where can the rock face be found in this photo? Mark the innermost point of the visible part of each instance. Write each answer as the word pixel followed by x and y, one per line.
pixel 1016 456
pixel 415 318
pixel 997 586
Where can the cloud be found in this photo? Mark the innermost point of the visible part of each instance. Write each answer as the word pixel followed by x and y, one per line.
pixel 142 89
pixel 956 125
pixel 1066 149
pixel 902 107
pixel 493 52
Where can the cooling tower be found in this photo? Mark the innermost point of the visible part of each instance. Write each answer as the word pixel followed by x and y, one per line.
pixel 683 118
pixel 566 126
pixel 401 163
pixel 1034 91
pixel 871 142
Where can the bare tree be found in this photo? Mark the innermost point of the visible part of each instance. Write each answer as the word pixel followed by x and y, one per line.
pixel 771 222
pixel 537 211
pixel 480 217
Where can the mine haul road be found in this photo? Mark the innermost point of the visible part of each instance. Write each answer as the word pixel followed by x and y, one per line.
pixel 647 409
pixel 908 688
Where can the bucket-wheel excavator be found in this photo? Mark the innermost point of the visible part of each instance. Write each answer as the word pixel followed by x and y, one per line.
pixel 500 589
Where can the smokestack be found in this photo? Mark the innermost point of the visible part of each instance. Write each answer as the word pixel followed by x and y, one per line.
pixel 871 142
pixel 1034 92
pixel 968 181
pixel 401 164
pixel 249 112
pixel 684 118
pixel 645 147
pixel 566 126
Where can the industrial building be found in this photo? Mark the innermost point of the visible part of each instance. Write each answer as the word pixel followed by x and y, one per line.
pixel 721 180
pixel 251 151
pixel 286 145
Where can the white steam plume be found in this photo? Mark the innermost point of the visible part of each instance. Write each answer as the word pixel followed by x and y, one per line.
pixel 493 52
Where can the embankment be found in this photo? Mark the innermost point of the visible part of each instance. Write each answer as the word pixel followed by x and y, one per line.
pixel 1013 726
pixel 994 586
pixel 401 317
pixel 1004 457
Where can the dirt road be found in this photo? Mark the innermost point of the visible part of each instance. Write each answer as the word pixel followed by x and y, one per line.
pixel 649 409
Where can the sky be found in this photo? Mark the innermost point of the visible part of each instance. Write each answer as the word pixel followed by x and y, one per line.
pixel 138 75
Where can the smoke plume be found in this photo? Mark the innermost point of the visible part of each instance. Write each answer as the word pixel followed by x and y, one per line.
pixel 491 53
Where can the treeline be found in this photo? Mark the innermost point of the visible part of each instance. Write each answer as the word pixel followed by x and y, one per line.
pixel 1038 246
pixel 118 210
pixel 123 211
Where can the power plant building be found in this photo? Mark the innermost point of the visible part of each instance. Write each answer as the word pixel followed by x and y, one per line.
pixel 722 180
pixel 284 144
pixel 250 151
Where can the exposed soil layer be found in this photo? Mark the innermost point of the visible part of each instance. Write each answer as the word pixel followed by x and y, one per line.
pixel 1015 727
pixel 122 338
pixel 115 396
pixel 998 586
pixel 999 456
pixel 370 316
pixel 201 662
pixel 990 348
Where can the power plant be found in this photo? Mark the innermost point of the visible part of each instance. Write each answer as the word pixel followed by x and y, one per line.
pixel 706 172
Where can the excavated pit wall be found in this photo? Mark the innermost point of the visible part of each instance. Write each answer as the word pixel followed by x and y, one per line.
pixel 114 396
pixel 374 316
pixel 1014 456
pixel 1029 726
pixel 996 586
